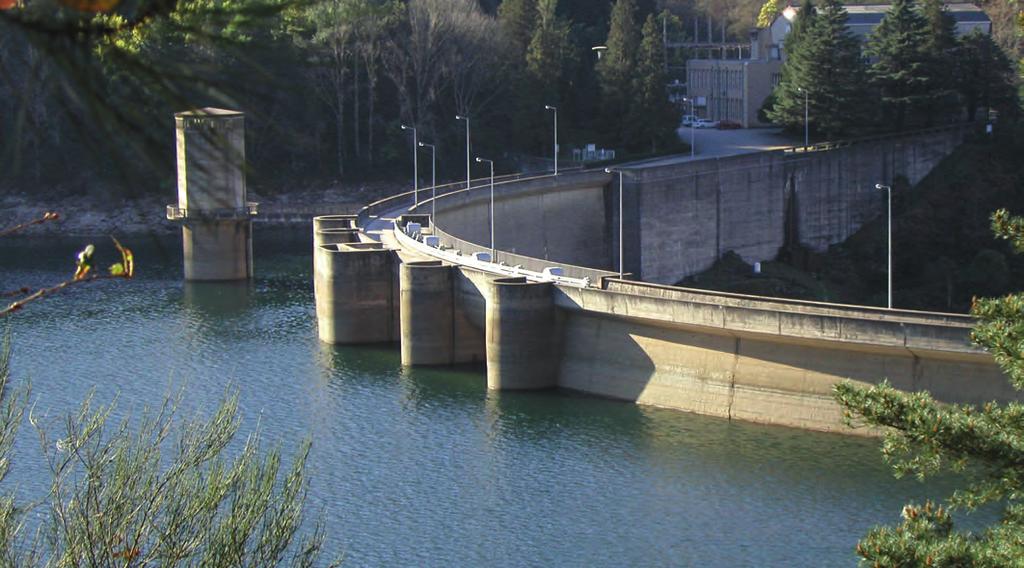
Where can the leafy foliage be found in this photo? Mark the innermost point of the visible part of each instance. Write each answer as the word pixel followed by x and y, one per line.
pixel 984 445
pixel 769 10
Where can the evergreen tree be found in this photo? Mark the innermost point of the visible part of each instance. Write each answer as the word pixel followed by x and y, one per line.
pixel 787 100
pixel 823 70
pixel 652 119
pixel 941 49
pixel 549 53
pixel 901 71
pixel 517 19
pixel 615 70
pixel 549 57
pixel 985 445
pixel 984 76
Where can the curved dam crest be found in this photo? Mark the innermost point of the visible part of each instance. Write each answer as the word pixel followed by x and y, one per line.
pixel 544 309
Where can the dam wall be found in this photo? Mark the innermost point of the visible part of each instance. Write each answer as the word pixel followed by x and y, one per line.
pixel 763 360
pixel 752 359
pixel 561 219
pixel 681 218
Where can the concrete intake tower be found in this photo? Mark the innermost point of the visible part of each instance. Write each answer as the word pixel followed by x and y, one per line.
pixel 216 219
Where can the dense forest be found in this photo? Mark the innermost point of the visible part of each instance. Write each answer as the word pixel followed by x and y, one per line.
pixel 944 253
pixel 87 90
pixel 88 87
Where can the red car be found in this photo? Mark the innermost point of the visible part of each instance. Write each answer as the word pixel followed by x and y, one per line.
pixel 728 125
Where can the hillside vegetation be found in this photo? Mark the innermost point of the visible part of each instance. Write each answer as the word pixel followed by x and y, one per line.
pixel 943 249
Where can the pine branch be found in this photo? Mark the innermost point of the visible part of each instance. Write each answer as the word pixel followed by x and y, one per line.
pixel 44 292
pixel 48 216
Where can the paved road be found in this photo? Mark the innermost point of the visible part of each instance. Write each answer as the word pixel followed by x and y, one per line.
pixel 712 143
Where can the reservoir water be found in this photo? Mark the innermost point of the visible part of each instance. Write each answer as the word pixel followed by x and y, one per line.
pixel 425 467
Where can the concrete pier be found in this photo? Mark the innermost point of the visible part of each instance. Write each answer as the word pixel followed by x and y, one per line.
pixel 427 313
pixel 522 335
pixel 333 229
pixel 355 297
pixel 335 236
pixel 212 207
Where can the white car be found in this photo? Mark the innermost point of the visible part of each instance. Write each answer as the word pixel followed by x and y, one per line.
pixel 705 123
pixel 689 119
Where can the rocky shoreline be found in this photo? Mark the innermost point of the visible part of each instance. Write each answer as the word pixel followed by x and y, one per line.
pixel 87 216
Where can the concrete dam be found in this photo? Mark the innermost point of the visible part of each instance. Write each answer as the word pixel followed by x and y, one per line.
pixel 541 305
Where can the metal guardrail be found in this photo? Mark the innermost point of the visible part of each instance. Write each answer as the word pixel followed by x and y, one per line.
pixel 388 204
pixel 822 146
pixel 176 213
pixel 374 210
pixel 527 263
pixel 499 266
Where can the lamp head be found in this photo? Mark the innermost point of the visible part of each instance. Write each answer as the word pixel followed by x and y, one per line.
pixel 479 160
pixel 880 186
pixel 421 144
pixel 549 107
pixel 404 127
pixel 608 171
pixel 460 117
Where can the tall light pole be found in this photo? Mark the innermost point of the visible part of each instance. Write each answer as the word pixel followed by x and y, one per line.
pixel 491 215
pixel 433 182
pixel 693 129
pixel 611 171
pixel 888 191
pixel 807 138
pixel 551 108
pixel 466 118
pixel 415 166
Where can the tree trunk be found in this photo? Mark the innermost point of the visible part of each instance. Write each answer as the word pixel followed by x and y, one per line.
pixel 339 124
pixel 371 81
pixel 357 138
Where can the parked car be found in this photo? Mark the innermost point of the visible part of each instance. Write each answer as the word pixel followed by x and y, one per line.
pixel 689 119
pixel 729 125
pixel 705 123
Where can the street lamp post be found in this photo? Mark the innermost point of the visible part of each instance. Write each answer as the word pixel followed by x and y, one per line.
pixel 888 191
pixel 693 129
pixel 433 182
pixel 466 118
pixel 611 171
pixel 807 137
pixel 491 215
pixel 551 108
pixel 415 166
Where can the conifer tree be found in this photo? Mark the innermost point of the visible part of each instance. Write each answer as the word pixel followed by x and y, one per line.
pixel 984 76
pixel 985 445
pixel 652 119
pixel 822 64
pixel 517 19
pixel 941 50
pixel 615 70
pixel 787 108
pixel 901 70
pixel 548 59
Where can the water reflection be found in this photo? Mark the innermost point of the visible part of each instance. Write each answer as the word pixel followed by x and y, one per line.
pixel 216 300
